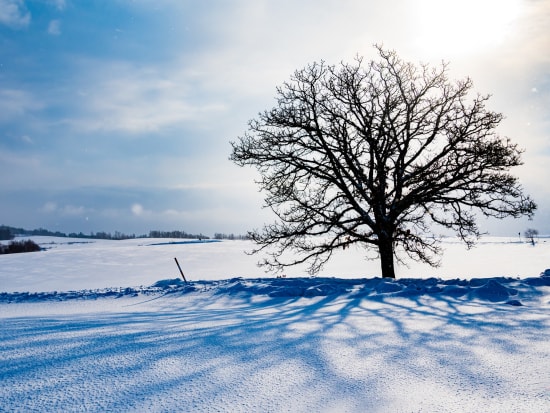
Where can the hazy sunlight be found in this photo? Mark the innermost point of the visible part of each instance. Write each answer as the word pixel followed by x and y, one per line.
pixel 461 27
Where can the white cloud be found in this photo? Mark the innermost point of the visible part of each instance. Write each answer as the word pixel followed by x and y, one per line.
pixel 14 14
pixel 54 28
pixel 137 209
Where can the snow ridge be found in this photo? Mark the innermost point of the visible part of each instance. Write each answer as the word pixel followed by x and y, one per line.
pixel 496 290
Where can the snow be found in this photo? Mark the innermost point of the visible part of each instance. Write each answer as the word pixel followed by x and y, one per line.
pixel 93 325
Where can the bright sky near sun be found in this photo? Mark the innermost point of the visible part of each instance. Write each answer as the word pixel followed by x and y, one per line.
pixel 466 26
pixel 117 115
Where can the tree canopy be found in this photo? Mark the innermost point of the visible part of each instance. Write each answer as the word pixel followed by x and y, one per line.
pixel 377 153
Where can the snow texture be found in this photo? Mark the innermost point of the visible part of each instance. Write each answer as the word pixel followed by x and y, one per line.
pixel 247 344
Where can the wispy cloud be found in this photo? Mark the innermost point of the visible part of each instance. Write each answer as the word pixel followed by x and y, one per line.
pixel 14 14
pixel 15 103
pixel 59 4
pixel 124 97
pixel 51 207
pixel 54 28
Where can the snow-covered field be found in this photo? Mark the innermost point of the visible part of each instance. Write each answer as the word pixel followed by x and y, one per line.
pixel 91 325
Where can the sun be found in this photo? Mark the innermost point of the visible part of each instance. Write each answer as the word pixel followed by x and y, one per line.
pixel 456 27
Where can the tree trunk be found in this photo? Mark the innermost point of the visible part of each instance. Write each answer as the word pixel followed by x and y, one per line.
pixel 385 248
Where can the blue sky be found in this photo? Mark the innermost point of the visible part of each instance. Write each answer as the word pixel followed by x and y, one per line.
pixel 117 114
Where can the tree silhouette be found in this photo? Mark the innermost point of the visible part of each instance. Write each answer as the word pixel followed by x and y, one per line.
pixel 376 154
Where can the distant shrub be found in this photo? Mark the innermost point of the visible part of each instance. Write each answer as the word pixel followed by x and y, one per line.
pixel 19 246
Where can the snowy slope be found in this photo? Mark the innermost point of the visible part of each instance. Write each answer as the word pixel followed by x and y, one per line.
pixel 75 264
pixel 92 329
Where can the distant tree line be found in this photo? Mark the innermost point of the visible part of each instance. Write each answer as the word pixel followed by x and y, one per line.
pixel 105 235
pixel 176 234
pixel 5 233
pixel 9 233
pixel 218 235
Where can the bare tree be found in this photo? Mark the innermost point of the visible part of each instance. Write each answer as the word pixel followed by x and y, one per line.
pixel 530 234
pixel 376 154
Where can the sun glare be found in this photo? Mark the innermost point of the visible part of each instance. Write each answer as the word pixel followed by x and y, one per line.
pixel 451 27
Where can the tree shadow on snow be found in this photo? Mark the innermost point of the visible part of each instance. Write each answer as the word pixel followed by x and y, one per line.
pixel 201 351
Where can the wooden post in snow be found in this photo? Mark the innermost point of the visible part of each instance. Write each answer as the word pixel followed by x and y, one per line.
pixel 181 272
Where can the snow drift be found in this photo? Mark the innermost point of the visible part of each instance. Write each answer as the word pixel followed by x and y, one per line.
pixel 496 290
